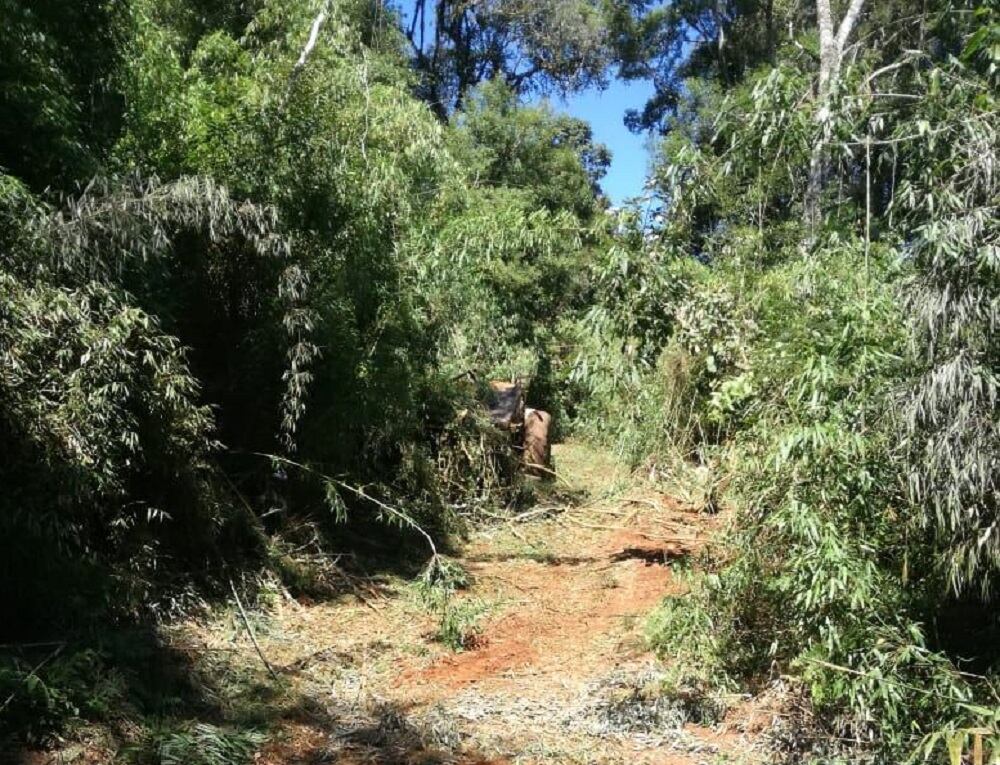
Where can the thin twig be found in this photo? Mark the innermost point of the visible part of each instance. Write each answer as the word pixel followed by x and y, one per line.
pixel 644 535
pixel 859 673
pixel 517 534
pixel 41 644
pixel 654 505
pixel 401 516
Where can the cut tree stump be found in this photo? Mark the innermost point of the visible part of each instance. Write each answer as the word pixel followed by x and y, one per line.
pixel 506 404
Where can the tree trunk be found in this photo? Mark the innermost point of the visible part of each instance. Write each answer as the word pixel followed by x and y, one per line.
pixel 828 53
pixel 772 40
pixel 720 43
pixel 831 50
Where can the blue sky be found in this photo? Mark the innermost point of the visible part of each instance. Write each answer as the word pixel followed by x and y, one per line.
pixel 605 111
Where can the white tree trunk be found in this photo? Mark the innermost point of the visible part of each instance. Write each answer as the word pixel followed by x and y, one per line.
pixel 827 46
pixel 832 42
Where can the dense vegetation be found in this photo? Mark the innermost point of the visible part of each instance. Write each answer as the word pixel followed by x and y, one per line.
pixel 831 367
pixel 257 260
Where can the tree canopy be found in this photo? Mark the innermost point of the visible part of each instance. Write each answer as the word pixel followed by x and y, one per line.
pixel 552 45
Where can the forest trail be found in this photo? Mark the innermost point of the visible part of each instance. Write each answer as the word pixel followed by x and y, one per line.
pixel 556 669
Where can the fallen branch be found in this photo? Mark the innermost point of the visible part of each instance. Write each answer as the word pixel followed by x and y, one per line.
pixel 603 527
pixel 860 673
pixel 550 471
pixel 517 534
pixel 360 493
pixel 676 539
pixel 350 581
pixel 40 644
pixel 603 511
pixel 253 637
pixel 535 511
pixel 31 674
pixel 636 501
pixel 303 661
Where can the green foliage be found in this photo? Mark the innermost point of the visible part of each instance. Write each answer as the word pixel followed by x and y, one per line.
pixel 663 350
pixel 57 60
pixel 684 627
pixel 692 38
pixel 537 46
pixel 819 578
pixel 784 362
pixel 41 696
pixel 552 158
pixel 112 461
pixel 438 588
pixel 101 404
pixel 459 627
pixel 948 205
pixel 197 744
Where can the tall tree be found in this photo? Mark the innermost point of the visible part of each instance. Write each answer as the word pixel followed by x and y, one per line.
pixel 552 157
pixel 544 45
pixel 833 39
pixel 671 42
pixel 57 110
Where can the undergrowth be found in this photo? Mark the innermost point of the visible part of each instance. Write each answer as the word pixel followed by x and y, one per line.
pixel 830 378
pixel 458 616
pixel 194 744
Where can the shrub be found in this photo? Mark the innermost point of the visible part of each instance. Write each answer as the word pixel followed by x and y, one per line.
pixel 43 697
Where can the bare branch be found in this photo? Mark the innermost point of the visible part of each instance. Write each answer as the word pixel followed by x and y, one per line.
pixel 849 22
pixel 253 637
pixel 311 42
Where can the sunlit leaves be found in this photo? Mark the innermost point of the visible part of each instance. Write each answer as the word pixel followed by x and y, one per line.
pixel 948 199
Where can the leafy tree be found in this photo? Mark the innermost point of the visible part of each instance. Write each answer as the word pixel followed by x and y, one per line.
pixel 530 46
pixel 551 157
pixel 57 105
pixel 947 200
pixel 671 42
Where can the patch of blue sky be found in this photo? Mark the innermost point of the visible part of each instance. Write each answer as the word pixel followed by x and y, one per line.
pixel 605 111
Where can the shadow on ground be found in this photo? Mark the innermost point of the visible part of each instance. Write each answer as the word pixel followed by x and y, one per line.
pixel 147 702
pixel 381 735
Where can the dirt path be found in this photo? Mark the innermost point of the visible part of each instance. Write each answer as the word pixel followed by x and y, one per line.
pixel 556 669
